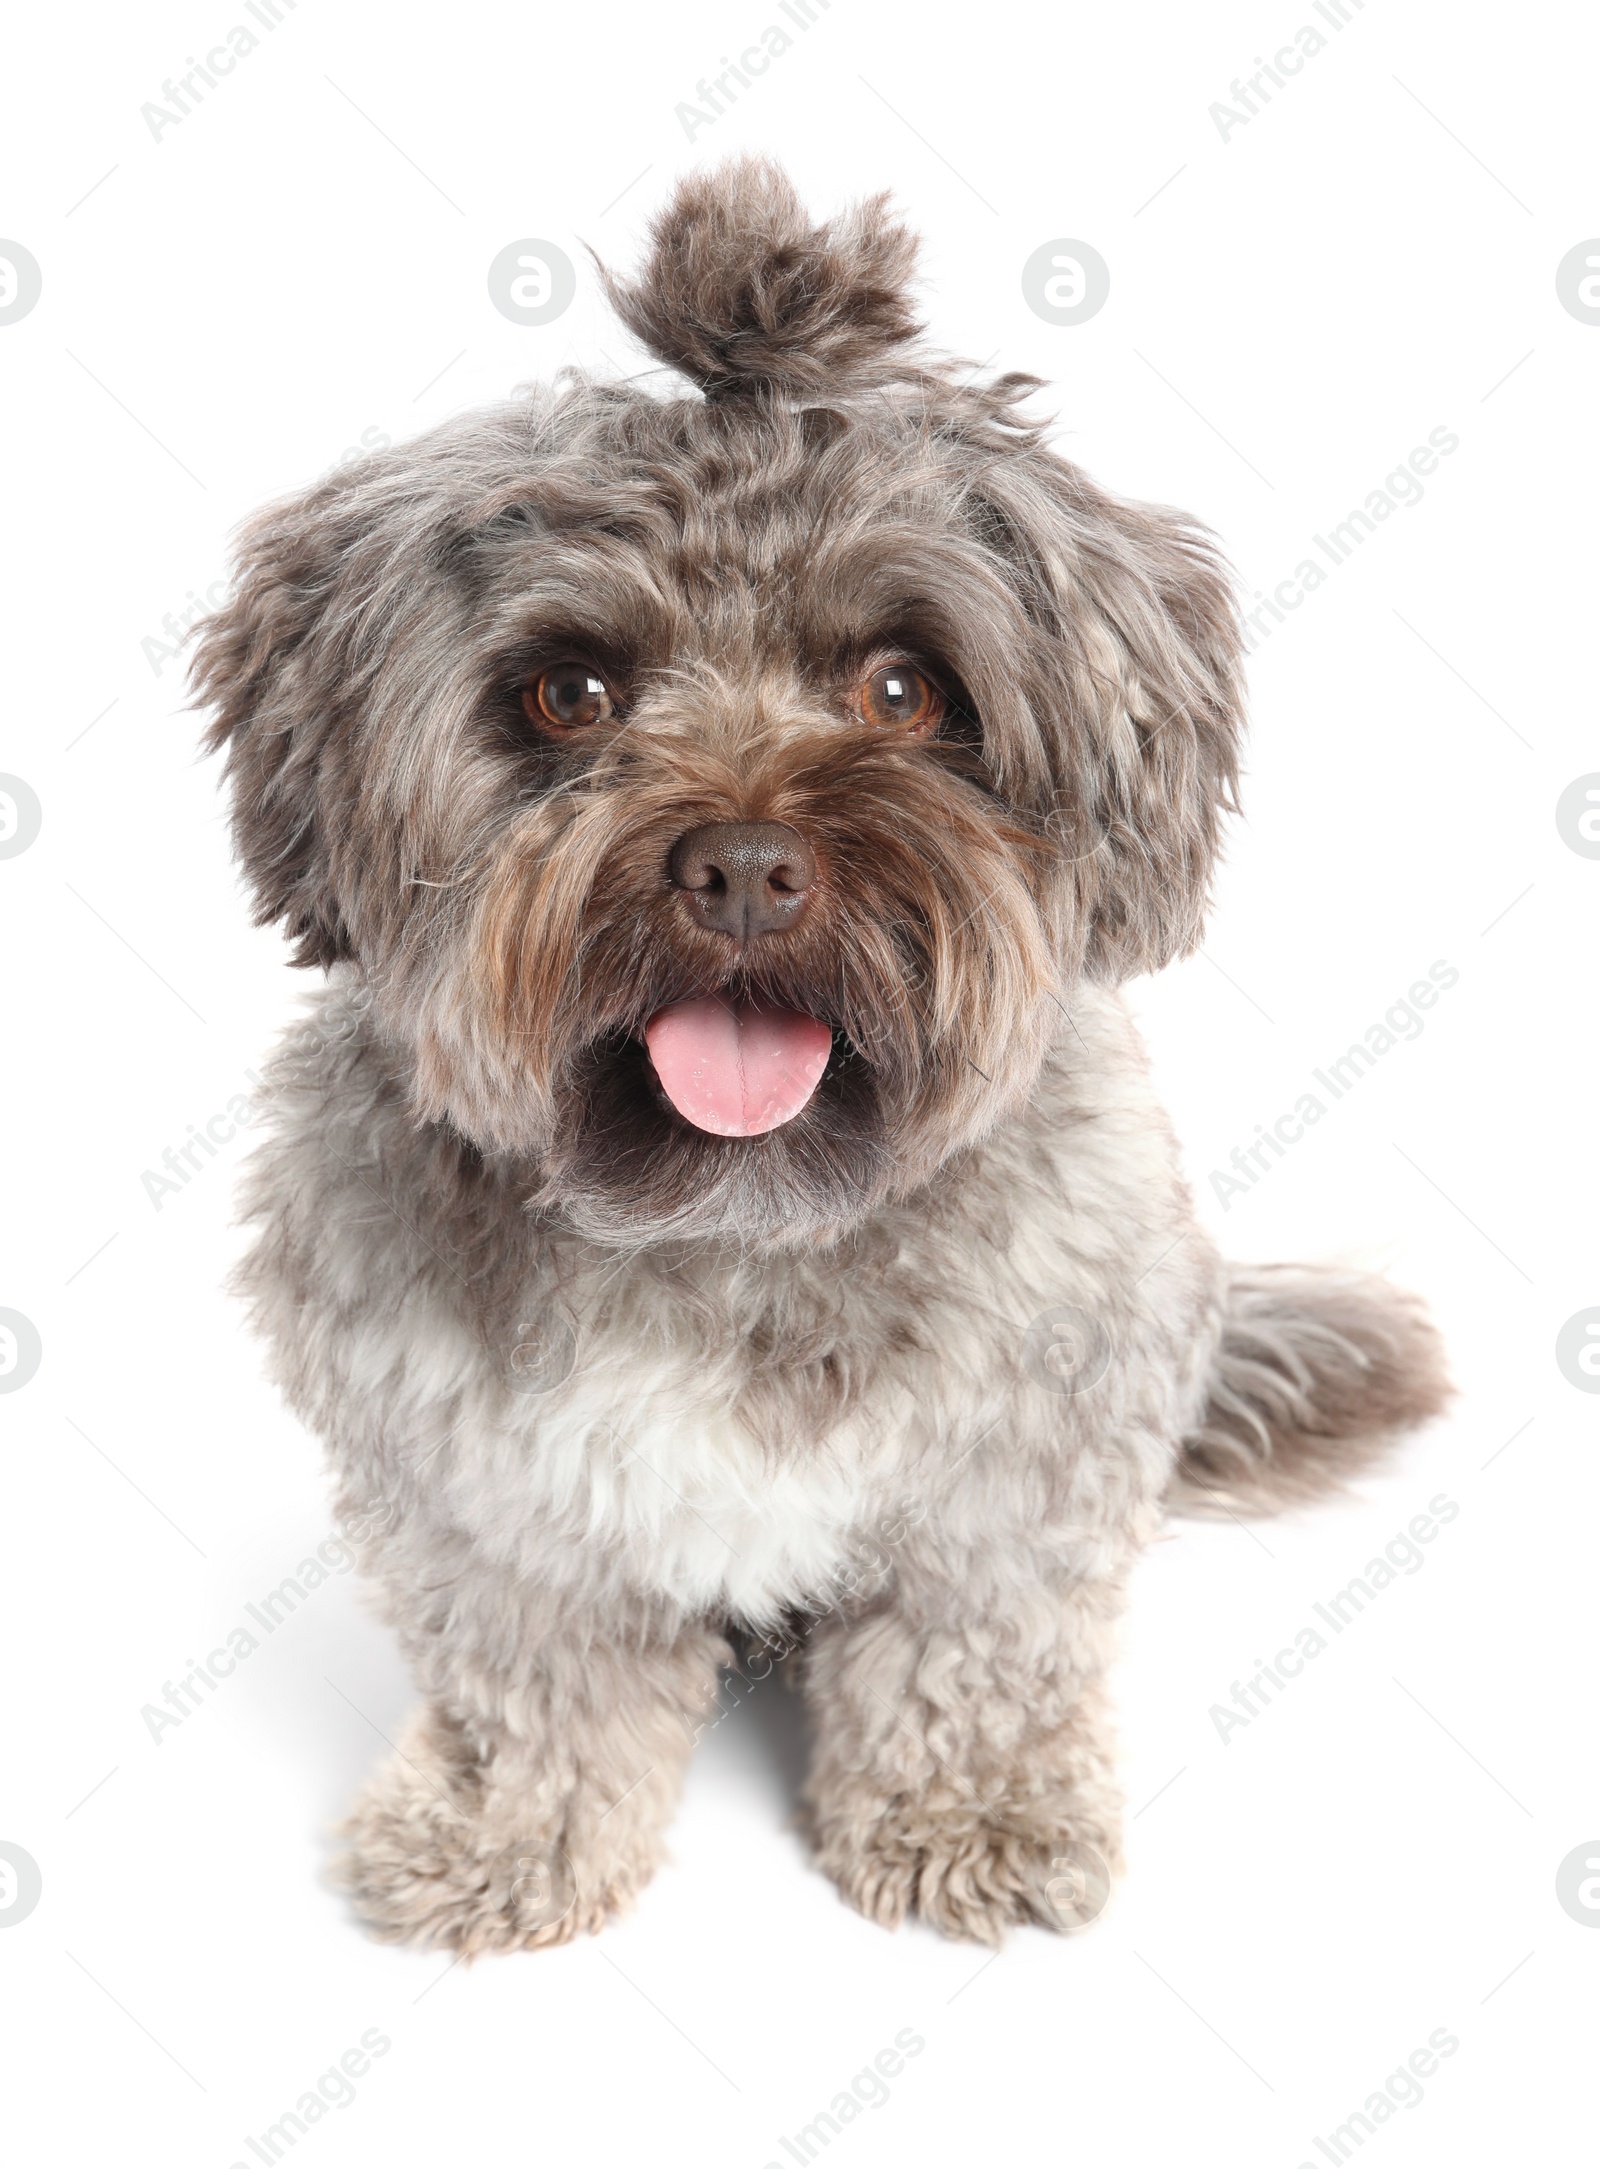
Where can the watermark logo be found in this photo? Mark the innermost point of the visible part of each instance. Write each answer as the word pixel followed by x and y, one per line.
pixel 1578 1350
pixel 183 1161
pixel 866 1563
pixel 869 2089
pixel 176 624
pixel 543 1885
pixel 337 1021
pixel 21 1350
pixel 373 439
pixel 1402 2089
pixel 334 2089
pixel 181 95
pixel 1343 1073
pixel 21 1884
pixel 1577 816
pixel 1066 282
pixel 715 94
pixel 543 1355
pixel 1248 95
pixel 21 281
pixel 1577 281
pixel 1401 489
pixel 532 282
pixel 21 816
pixel 1065 1350
pixel 1079 1885
pixel 1402 1555
pixel 201 1678
pixel 1578 1884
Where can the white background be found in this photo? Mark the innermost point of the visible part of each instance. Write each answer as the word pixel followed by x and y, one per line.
pixel 1372 256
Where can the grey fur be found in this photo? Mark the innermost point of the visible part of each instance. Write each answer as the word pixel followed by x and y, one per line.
pixel 782 1348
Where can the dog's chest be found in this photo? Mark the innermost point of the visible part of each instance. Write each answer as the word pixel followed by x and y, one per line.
pixel 633 1476
pixel 599 1431
pixel 701 1447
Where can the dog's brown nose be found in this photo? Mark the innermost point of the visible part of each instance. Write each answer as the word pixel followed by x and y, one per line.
pixel 744 877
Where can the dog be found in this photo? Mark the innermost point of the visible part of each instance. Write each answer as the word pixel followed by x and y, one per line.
pixel 717 1195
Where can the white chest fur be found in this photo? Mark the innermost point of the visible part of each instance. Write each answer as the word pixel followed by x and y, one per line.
pixel 632 1468
pixel 688 1505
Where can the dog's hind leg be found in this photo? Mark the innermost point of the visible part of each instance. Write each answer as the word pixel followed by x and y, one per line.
pixel 1316 1373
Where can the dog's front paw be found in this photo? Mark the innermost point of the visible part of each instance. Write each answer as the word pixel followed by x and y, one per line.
pixel 438 1857
pixel 969 1871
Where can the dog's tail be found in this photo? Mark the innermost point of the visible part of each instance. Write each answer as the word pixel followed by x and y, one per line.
pixel 1317 1373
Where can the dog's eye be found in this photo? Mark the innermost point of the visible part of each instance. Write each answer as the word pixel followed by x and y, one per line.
pixel 566 697
pixel 900 697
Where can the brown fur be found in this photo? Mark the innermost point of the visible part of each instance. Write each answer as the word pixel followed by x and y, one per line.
pixel 743 293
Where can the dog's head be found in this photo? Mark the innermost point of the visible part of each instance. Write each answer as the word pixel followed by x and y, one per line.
pixel 721 792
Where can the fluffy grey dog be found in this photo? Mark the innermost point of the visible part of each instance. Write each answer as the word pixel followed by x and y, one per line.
pixel 717 1190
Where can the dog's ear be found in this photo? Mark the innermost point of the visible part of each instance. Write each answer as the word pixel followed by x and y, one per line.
pixel 273 666
pixel 1139 675
pixel 743 295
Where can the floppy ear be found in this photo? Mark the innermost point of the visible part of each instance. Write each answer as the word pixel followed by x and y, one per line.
pixel 1140 674
pixel 272 662
pixel 329 588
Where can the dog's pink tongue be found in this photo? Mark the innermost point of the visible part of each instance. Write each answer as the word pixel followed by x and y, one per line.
pixel 737 1068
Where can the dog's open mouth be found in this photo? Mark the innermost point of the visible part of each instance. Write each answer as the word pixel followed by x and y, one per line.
pixel 737 1067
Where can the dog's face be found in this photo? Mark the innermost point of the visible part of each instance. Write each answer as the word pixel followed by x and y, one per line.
pixel 721 794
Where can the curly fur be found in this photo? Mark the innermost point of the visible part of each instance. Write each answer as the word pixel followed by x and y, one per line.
pixel 598 1387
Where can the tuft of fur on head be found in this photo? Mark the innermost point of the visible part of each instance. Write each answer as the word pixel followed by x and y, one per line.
pixel 741 292
pixel 1318 1373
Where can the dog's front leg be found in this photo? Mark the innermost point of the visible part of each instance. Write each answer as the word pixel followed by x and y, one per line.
pixel 528 1797
pixel 963 1767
